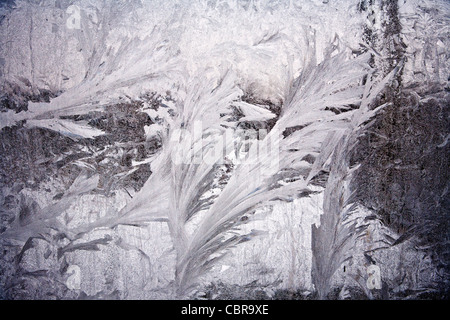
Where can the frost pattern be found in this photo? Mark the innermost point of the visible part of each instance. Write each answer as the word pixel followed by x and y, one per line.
pixel 296 70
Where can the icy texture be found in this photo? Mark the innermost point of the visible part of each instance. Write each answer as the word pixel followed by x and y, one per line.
pixel 33 221
pixel 314 76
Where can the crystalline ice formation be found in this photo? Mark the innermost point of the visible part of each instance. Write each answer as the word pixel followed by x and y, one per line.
pixel 161 149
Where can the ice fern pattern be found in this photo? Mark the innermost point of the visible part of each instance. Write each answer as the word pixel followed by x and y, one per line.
pixel 223 109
